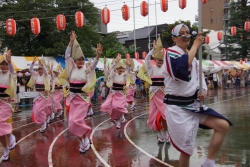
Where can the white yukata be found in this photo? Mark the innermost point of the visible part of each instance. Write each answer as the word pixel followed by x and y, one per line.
pixel 183 81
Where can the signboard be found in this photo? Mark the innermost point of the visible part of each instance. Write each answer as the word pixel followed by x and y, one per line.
pixel 26 95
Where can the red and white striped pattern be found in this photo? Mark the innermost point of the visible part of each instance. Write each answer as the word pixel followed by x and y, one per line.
pixel 144 8
pixel 35 25
pixel 164 5
pixel 79 19
pixel 11 27
pixel 219 35
pixel 60 22
pixel 182 4
pixel 105 15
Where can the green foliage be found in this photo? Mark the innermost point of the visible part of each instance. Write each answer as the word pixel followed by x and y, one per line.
pixel 238 45
pixel 50 42
pixel 167 36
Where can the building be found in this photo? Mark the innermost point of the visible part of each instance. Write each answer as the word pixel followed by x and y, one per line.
pixel 101 27
pixel 215 14
pixel 142 36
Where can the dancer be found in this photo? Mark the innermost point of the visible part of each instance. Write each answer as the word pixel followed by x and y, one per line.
pixel 81 80
pixel 7 103
pixel 58 90
pixel 132 87
pixel 40 81
pixel 115 104
pixel 183 112
pixel 157 117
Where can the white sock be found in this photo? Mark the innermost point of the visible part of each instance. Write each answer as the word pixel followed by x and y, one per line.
pixel 208 163
pixel 6 151
pixel 86 141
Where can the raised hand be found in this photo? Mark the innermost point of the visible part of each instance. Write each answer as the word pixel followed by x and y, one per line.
pixel 154 45
pixel 8 56
pixel 118 57
pixel 72 36
pixel 99 49
pixel 34 60
pixel 128 62
pixel 199 40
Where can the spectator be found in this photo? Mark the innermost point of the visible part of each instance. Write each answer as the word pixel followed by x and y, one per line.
pixel 17 95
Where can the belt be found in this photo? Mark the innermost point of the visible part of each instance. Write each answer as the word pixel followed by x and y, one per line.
pixel 179 100
pixel 4 95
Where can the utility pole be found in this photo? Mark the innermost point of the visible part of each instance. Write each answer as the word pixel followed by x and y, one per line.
pixel 225 36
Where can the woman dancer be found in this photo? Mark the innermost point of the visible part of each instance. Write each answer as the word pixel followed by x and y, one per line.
pixel 58 90
pixel 116 104
pixel 7 103
pixel 81 81
pixel 41 83
pixel 157 117
pixel 132 87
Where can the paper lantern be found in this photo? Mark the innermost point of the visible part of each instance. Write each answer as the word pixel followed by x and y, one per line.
pixel 245 59
pixel 127 56
pixel 219 35
pixel 144 54
pixel 105 15
pixel 164 5
pixel 125 12
pixel 136 55
pixel 144 8
pixel 233 30
pixel 79 19
pixel 207 39
pixel 203 1
pixel 182 4
pixel 60 22
pixel 247 26
pixel 240 61
pixel 11 27
pixel 35 25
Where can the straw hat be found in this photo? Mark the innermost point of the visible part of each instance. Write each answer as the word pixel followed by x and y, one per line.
pixel 158 54
pixel 3 58
pixel 76 51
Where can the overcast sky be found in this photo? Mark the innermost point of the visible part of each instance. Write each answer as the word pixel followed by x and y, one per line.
pixel 173 14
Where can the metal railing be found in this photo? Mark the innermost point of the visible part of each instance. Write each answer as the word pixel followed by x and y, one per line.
pixel 226 5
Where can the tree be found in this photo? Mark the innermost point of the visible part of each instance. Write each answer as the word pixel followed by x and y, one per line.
pixel 238 45
pixel 50 42
pixel 167 36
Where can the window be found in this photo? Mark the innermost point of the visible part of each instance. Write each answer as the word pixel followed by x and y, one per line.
pixel 211 20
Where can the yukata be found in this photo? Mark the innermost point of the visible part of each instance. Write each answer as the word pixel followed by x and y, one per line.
pixel 183 112
pixel 57 94
pixel 115 103
pixel 7 100
pixel 81 82
pixel 156 94
pixel 40 108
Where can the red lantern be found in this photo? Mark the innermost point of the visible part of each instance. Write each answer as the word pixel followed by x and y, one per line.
pixel 144 54
pixel 125 12
pixel 11 27
pixel 203 1
pixel 79 19
pixel 128 56
pixel 136 55
pixel 60 22
pixel 240 61
pixel 247 26
pixel 164 5
pixel 105 15
pixel 245 59
pixel 233 30
pixel 144 8
pixel 219 35
pixel 35 25
pixel 182 4
pixel 207 39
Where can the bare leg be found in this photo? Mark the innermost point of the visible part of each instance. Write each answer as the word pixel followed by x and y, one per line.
pixel 164 124
pixel 184 160
pixel 220 127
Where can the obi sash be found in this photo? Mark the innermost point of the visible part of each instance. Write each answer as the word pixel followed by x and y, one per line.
pixel 157 81
pixel 2 90
pixel 40 87
pixel 76 87
pixel 117 86
pixel 58 87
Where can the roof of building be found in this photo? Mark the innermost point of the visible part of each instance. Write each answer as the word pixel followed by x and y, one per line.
pixel 140 33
